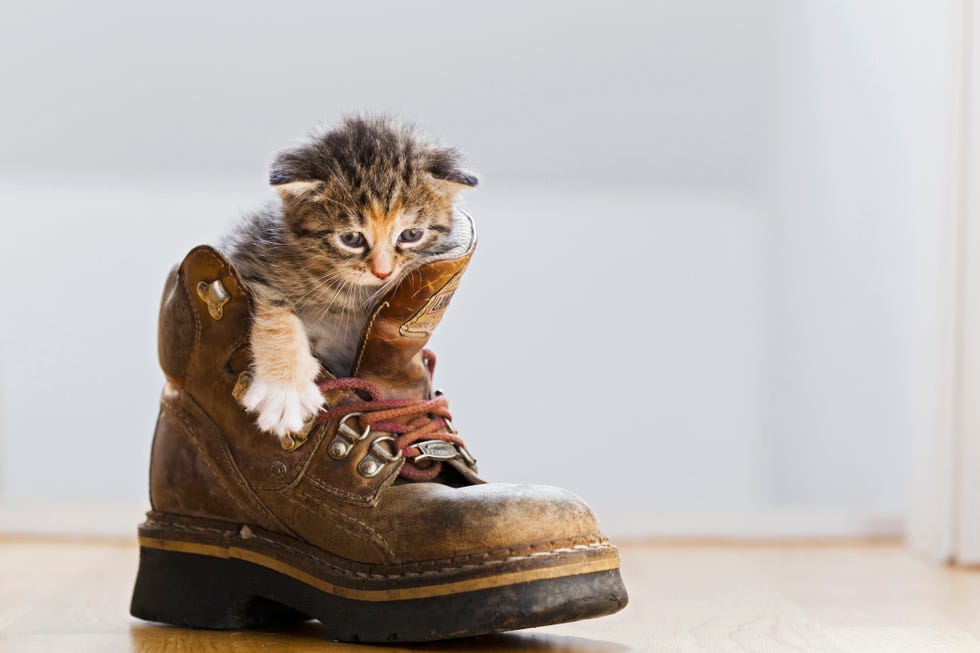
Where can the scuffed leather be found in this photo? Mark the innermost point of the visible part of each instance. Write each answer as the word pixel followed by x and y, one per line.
pixel 175 341
pixel 188 484
pixel 209 460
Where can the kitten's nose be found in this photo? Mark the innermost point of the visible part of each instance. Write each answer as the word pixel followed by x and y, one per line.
pixel 382 264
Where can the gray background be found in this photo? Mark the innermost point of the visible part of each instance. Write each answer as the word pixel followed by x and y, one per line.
pixel 707 277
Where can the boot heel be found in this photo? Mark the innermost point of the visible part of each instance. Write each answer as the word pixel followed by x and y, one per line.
pixel 186 589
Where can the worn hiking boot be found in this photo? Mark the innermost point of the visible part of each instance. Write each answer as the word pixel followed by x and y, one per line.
pixel 373 520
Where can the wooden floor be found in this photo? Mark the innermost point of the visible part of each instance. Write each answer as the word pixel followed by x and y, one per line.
pixel 73 596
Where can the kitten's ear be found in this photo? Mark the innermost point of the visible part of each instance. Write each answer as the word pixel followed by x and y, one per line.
pixel 291 176
pixel 444 165
pixel 459 176
pixel 295 189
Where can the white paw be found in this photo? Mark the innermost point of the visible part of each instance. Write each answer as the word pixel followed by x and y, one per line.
pixel 282 407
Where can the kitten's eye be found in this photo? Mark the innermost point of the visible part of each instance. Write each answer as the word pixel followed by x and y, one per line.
pixel 352 239
pixel 410 235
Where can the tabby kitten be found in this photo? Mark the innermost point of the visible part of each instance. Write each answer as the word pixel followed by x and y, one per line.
pixel 360 206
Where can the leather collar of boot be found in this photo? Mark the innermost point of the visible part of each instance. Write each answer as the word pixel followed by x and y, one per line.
pixel 391 350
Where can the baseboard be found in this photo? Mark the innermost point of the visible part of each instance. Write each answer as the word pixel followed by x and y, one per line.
pixel 762 523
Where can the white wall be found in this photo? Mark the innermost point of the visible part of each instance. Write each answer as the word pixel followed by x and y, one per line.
pixel 705 283
pixel 857 193
pixel 658 93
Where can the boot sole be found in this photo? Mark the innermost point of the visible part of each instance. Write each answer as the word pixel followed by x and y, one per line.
pixel 229 578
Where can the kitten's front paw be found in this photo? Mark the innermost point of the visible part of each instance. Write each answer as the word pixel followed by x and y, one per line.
pixel 282 408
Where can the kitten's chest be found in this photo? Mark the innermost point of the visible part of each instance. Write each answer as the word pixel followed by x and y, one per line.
pixel 335 339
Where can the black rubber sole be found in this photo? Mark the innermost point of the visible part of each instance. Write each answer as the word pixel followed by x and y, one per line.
pixel 201 591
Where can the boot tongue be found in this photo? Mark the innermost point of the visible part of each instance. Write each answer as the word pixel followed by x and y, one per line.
pixel 390 354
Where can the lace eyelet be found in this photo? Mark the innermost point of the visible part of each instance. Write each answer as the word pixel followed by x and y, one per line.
pixel 345 438
pixel 378 457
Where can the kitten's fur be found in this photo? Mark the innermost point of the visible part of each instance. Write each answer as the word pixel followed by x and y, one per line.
pixel 312 289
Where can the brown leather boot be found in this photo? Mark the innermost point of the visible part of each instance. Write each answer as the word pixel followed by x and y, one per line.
pixel 374 520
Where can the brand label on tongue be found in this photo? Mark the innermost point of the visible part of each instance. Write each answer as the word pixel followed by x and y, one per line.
pixel 428 317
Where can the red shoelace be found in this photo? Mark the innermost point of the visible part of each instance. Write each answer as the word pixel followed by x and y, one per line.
pixel 429 419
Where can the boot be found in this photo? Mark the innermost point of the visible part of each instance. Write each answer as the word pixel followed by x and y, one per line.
pixel 373 520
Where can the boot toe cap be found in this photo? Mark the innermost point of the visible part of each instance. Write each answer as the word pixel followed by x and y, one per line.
pixel 438 521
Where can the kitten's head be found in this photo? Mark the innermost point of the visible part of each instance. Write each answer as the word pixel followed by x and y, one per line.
pixel 369 198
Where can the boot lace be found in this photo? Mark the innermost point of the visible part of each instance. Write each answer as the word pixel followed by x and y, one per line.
pixel 428 419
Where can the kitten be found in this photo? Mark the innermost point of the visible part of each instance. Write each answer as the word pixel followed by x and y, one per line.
pixel 360 206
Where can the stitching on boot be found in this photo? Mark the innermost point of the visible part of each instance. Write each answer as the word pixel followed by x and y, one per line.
pixel 193 361
pixel 243 485
pixel 343 494
pixel 367 335
pixel 594 542
pixel 598 544
pixel 441 570
pixel 236 345
pixel 372 536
